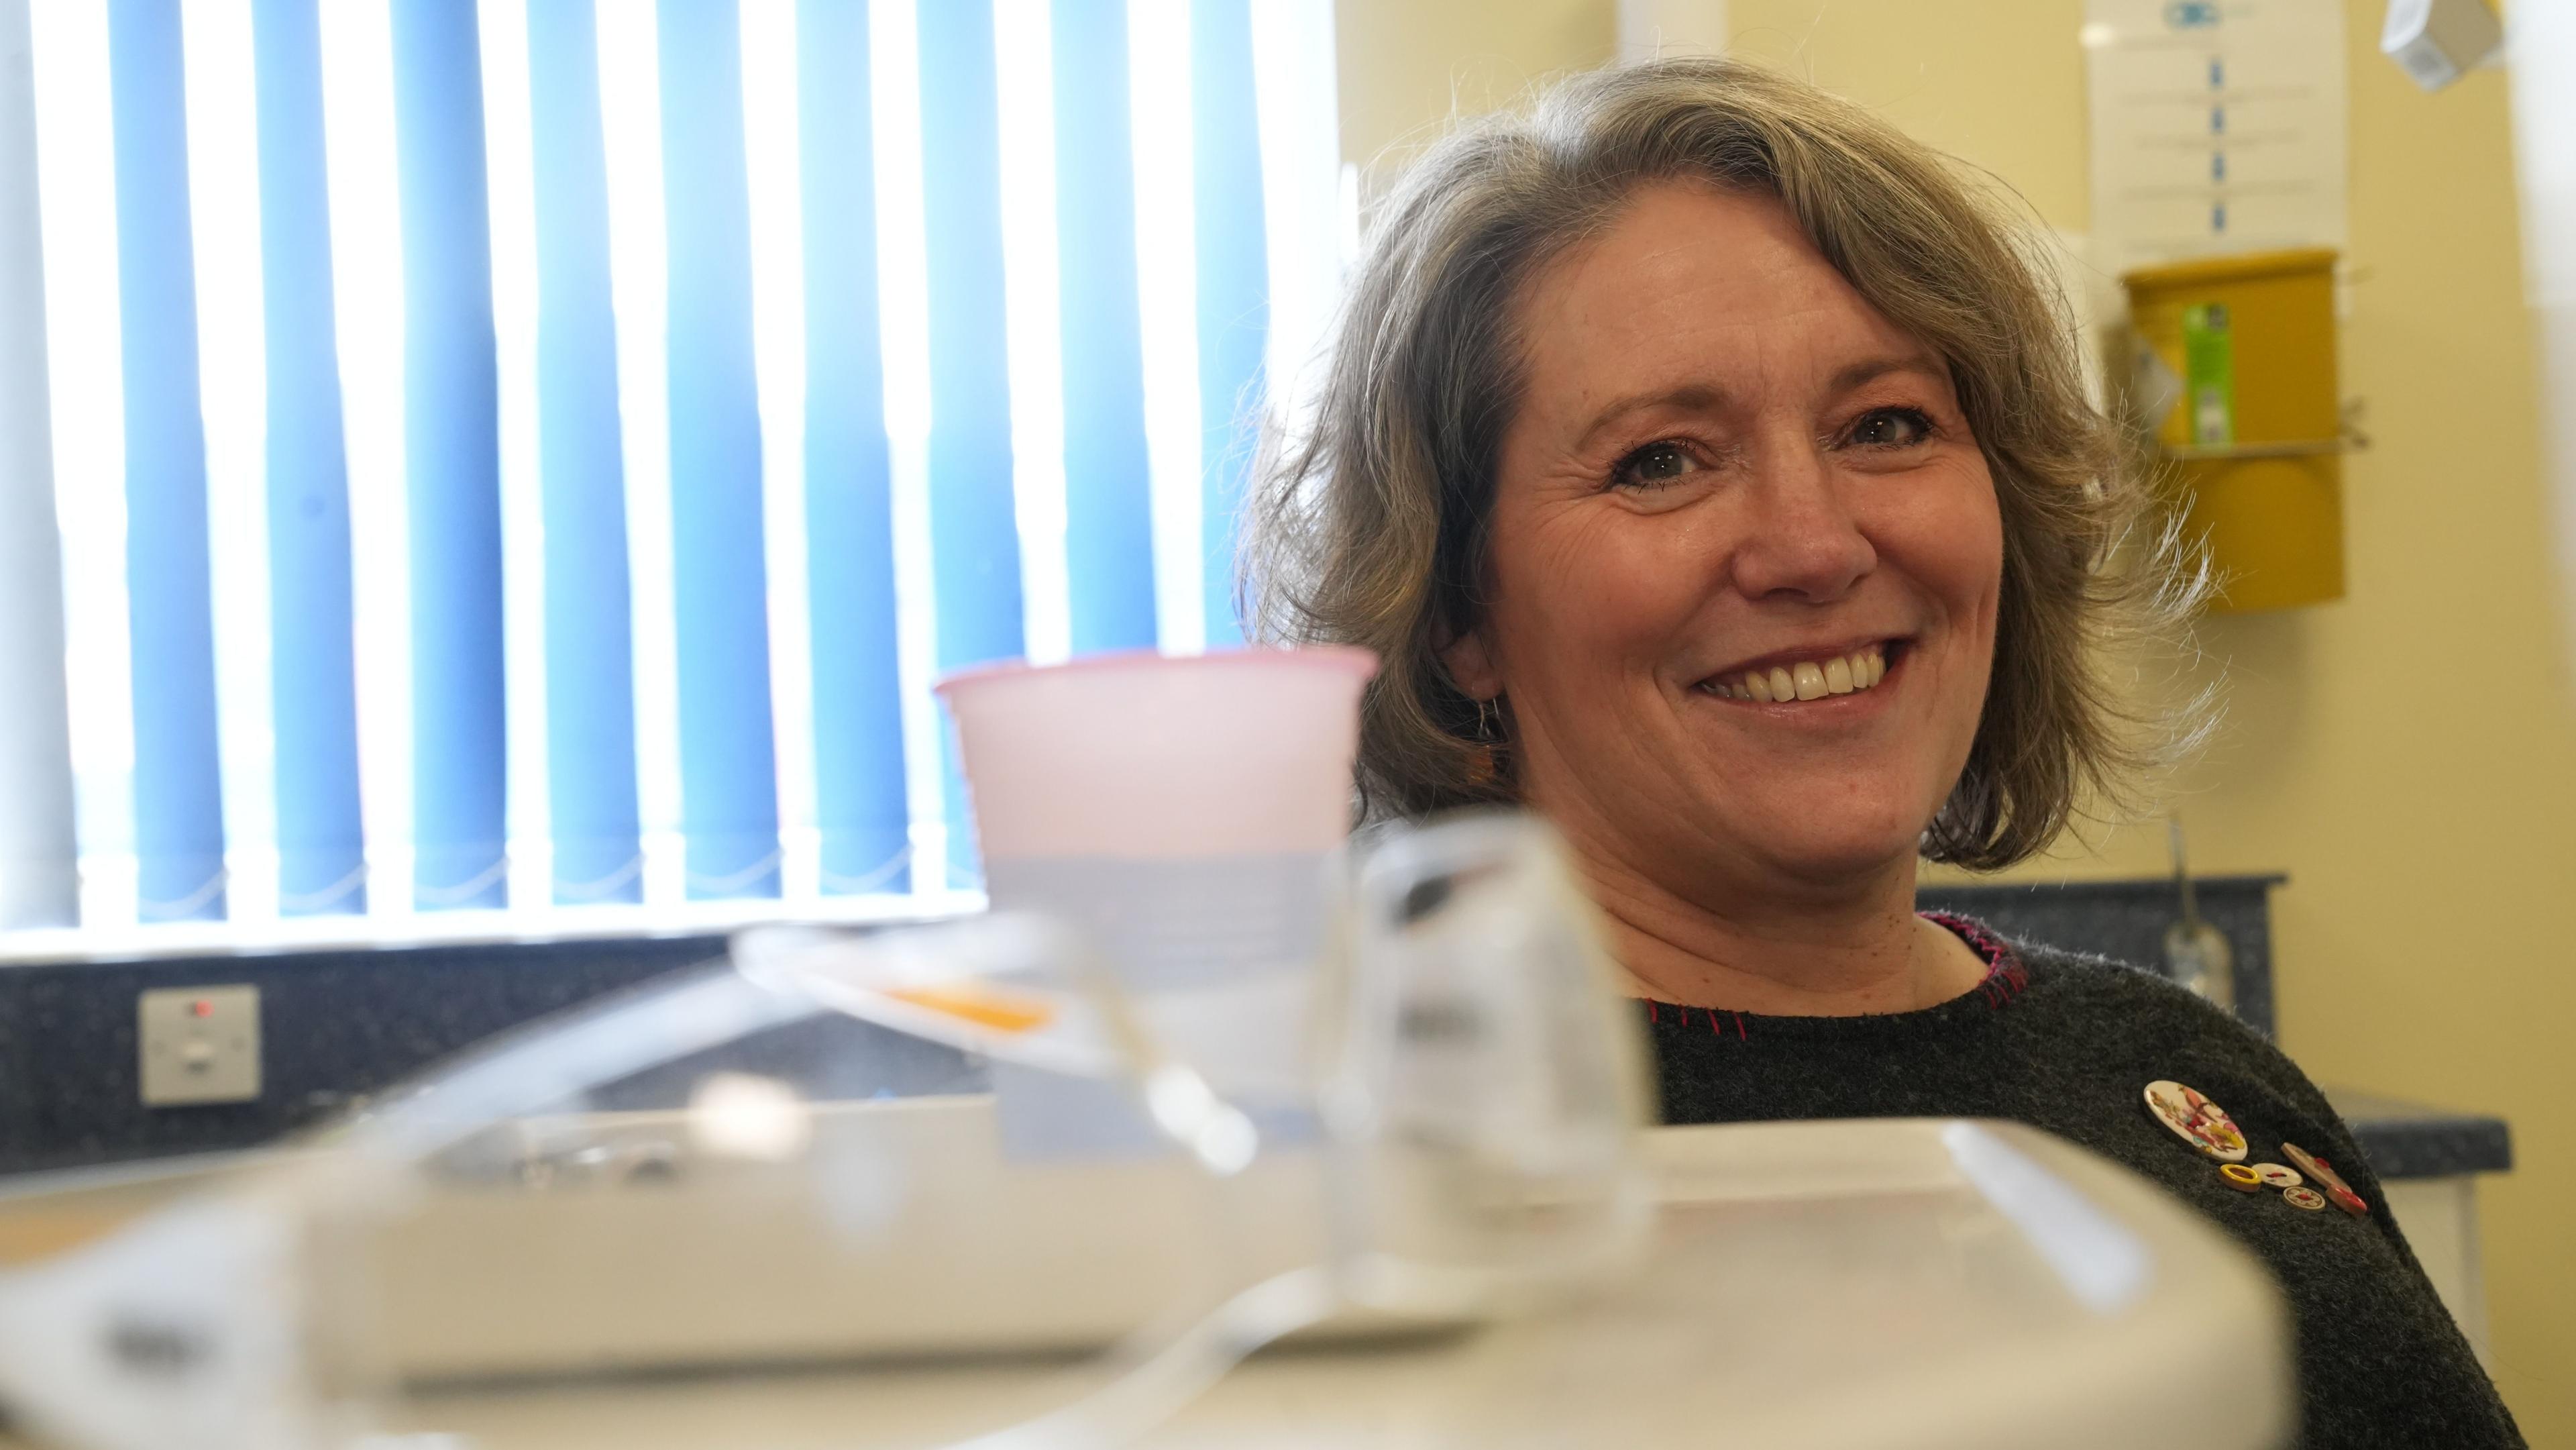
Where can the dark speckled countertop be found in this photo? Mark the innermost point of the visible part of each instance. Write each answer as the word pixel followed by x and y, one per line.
pixel 2410 1140
pixel 341 1024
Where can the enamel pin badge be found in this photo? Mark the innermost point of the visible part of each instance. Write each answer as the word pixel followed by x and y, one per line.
pixel 2327 1181
pixel 2196 1120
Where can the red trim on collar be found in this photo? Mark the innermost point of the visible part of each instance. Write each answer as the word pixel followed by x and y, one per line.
pixel 2005 975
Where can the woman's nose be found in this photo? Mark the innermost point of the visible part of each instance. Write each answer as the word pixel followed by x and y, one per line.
pixel 1802 539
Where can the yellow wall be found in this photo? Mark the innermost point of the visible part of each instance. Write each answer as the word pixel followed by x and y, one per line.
pixel 2408 755
pixel 1407 64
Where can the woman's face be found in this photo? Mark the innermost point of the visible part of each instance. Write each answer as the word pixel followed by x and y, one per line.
pixel 1732 496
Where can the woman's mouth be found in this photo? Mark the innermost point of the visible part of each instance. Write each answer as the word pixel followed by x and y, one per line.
pixel 1786 681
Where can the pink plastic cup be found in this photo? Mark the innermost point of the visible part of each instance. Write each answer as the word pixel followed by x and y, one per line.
pixel 1146 756
pixel 1184 812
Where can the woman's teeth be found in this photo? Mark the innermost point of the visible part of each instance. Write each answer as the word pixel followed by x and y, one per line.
pixel 1807 679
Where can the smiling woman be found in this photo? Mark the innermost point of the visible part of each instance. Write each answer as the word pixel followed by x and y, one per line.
pixel 1786 485
pixel 1693 385
pixel 1712 472
pixel 1373 525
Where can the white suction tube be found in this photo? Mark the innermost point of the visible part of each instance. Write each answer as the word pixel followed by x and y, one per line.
pixel 2541 44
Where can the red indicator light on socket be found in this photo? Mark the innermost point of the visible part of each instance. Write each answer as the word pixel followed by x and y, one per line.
pixel 201 1008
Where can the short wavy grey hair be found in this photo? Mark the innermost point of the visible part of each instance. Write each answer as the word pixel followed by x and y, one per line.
pixel 1368 523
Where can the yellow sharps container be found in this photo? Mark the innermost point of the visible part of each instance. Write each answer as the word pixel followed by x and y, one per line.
pixel 2235 367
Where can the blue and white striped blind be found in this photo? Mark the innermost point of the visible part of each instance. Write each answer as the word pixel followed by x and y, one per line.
pixel 526 454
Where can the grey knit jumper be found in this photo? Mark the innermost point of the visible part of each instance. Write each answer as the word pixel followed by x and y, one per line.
pixel 2068 1044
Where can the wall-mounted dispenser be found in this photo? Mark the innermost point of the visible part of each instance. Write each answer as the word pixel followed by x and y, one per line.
pixel 2233 375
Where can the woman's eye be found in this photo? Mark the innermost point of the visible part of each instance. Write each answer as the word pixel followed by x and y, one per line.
pixel 1653 466
pixel 1891 428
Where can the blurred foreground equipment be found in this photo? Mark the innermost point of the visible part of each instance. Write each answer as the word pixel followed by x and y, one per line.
pixel 632 1227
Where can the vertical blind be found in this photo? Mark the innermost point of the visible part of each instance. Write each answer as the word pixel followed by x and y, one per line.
pixel 525 454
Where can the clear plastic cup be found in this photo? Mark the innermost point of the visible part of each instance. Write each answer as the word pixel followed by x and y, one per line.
pixel 1486 1081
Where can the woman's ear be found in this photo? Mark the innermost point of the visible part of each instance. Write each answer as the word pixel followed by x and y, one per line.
pixel 1471 664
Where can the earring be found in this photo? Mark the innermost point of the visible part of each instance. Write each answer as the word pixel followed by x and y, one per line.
pixel 1489 736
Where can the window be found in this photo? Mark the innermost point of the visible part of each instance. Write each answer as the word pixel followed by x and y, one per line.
pixel 533 456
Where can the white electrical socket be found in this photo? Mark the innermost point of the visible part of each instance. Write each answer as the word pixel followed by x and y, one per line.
pixel 198 1045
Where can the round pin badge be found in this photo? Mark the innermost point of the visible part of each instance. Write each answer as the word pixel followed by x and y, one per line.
pixel 2276 1175
pixel 2307 1198
pixel 2196 1120
pixel 2327 1179
pixel 2241 1178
